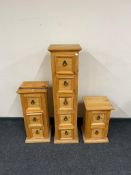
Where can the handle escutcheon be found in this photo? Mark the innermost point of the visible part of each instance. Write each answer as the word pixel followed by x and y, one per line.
pixel 96 132
pixel 98 117
pixel 34 119
pixel 65 102
pixel 65 118
pixel 37 132
pixel 32 102
pixel 65 83
pixel 66 132
pixel 64 63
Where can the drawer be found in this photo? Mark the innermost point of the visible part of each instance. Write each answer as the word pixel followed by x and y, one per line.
pixel 33 102
pixel 65 84
pixel 65 103
pixel 98 117
pixel 34 119
pixel 65 64
pixel 65 119
pixel 97 132
pixel 37 132
pixel 66 134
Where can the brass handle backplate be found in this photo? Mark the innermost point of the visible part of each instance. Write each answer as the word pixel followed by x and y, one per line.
pixel 65 118
pixel 34 119
pixel 96 132
pixel 98 117
pixel 65 83
pixel 37 132
pixel 32 102
pixel 65 102
pixel 66 132
pixel 64 63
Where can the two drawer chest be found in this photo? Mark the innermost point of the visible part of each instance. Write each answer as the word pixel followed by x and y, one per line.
pixel 97 111
pixel 35 110
pixel 64 63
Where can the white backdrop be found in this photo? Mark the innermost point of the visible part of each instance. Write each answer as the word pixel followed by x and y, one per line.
pixel 102 28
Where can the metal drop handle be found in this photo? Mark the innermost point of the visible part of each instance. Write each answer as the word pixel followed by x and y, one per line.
pixel 37 132
pixel 32 102
pixel 65 83
pixel 96 132
pixel 64 63
pixel 98 117
pixel 34 119
pixel 65 102
pixel 66 132
pixel 65 118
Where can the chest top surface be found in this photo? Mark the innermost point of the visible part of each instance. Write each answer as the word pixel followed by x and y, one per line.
pixel 64 47
pixel 97 103
pixel 32 85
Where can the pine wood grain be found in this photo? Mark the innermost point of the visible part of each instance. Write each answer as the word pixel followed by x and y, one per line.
pixel 97 111
pixel 33 97
pixel 64 63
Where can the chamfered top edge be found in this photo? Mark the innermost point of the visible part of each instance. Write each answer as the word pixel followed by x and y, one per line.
pixel 64 47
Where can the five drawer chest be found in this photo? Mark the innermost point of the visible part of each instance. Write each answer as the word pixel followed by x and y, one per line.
pixel 64 63
pixel 35 110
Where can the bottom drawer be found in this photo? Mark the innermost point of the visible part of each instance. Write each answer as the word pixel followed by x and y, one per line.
pixel 37 132
pixel 97 132
pixel 66 134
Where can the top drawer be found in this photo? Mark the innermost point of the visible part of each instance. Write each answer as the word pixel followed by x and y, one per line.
pixel 34 102
pixel 99 117
pixel 66 63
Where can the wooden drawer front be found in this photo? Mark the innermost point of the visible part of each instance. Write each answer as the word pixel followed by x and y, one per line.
pixel 33 102
pixel 98 117
pixel 97 133
pixel 35 119
pixel 64 64
pixel 37 132
pixel 66 134
pixel 65 119
pixel 65 103
pixel 65 85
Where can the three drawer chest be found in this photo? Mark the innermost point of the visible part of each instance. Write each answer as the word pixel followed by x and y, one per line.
pixel 35 110
pixel 64 63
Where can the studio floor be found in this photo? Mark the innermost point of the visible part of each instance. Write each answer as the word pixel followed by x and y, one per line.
pixel 18 158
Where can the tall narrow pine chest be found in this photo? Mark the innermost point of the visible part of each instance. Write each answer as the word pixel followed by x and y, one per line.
pixel 64 63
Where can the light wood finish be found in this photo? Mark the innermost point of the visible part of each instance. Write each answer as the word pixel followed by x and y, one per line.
pixel 35 111
pixel 34 85
pixel 64 47
pixel 66 134
pixel 97 111
pixel 64 62
pixel 35 119
pixel 65 119
pixel 97 102
pixel 65 84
